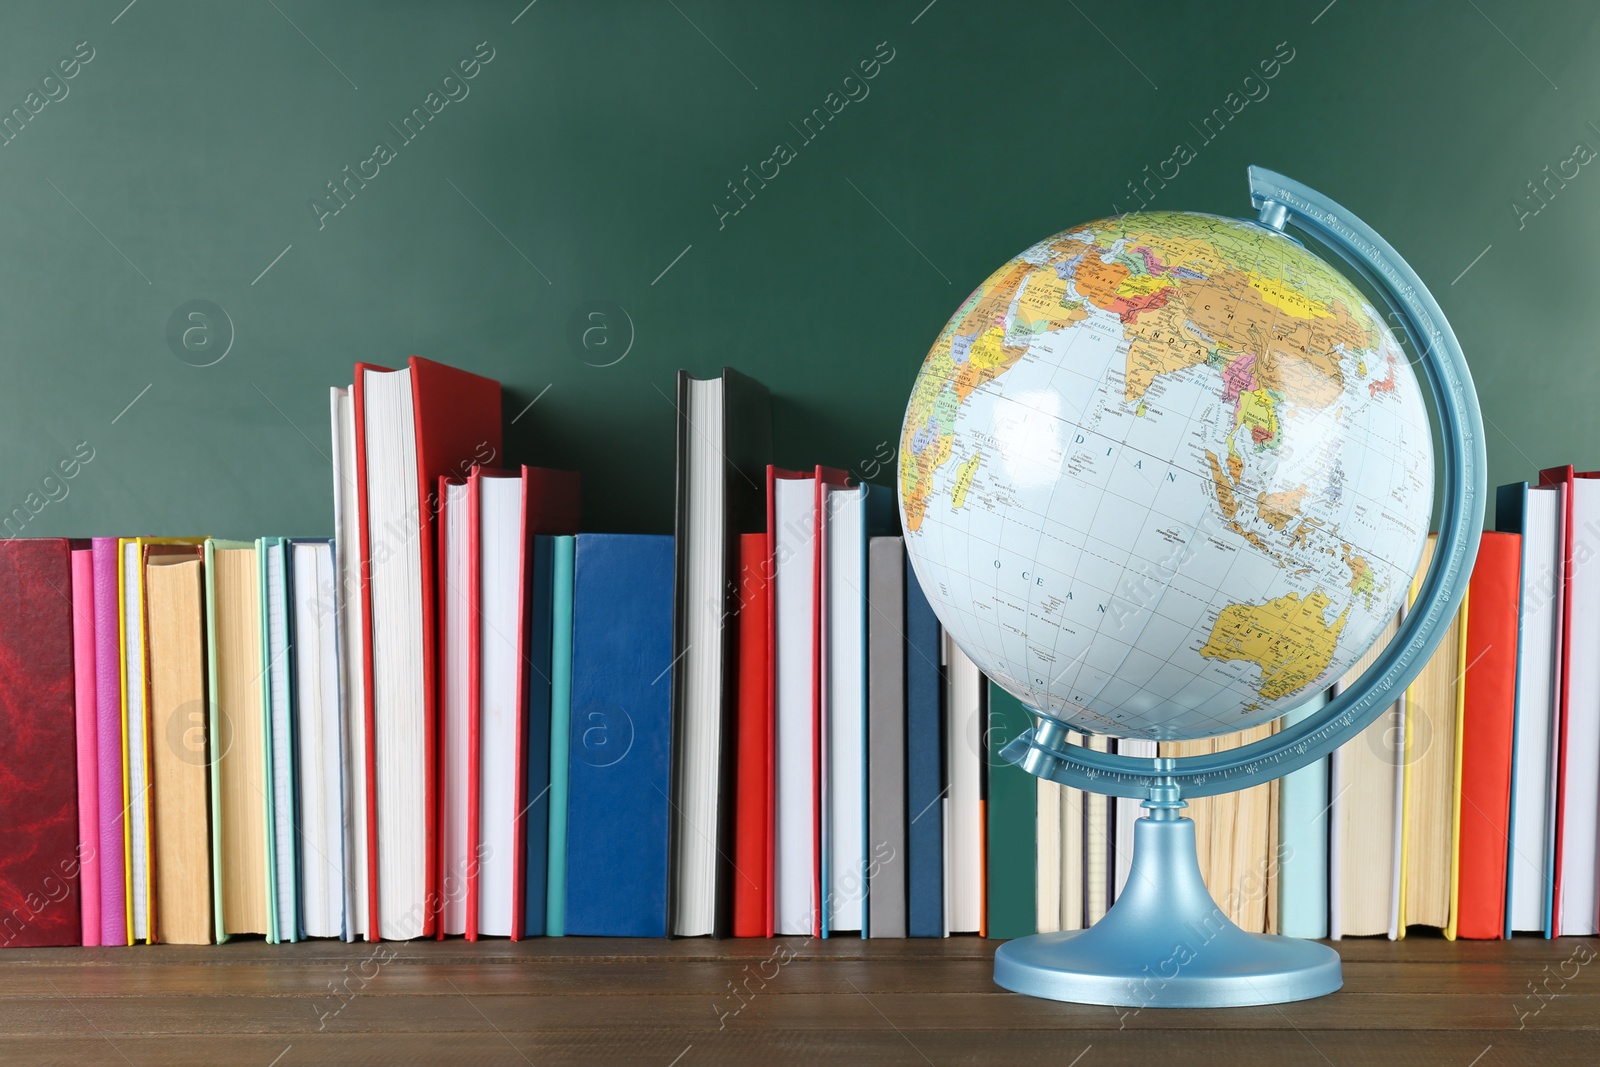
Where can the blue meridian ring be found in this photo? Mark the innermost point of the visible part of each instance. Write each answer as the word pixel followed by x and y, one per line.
pixel 1460 524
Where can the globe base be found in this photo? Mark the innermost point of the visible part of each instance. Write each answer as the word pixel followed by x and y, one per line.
pixel 1166 944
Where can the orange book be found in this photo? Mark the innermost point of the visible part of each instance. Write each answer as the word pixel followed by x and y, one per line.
pixel 1488 721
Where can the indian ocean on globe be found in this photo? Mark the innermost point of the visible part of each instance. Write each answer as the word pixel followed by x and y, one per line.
pixel 1166 475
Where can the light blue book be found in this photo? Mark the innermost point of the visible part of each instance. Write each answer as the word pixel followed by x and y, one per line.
pixel 1303 820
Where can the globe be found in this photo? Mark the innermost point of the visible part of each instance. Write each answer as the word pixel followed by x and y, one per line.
pixel 1166 475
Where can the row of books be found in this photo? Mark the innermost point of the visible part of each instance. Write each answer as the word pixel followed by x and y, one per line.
pixel 461 716
pixel 1471 805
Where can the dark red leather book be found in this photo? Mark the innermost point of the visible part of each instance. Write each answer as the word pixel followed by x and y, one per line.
pixel 456 424
pixel 1489 719
pixel 38 778
pixel 752 836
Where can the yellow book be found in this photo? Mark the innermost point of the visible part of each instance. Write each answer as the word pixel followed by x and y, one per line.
pixel 234 664
pixel 133 671
pixel 175 619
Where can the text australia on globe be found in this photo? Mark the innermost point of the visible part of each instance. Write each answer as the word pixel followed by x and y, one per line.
pixel 1166 475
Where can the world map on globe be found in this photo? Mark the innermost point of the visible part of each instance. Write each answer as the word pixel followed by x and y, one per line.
pixel 1165 475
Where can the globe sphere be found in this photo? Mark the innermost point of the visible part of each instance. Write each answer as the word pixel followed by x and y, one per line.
pixel 1165 475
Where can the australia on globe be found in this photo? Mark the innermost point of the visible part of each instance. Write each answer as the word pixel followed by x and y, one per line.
pixel 1166 475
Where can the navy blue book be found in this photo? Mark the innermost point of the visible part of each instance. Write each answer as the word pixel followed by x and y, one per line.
pixel 924 765
pixel 536 821
pixel 619 755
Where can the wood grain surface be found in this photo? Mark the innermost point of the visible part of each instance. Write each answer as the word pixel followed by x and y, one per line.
pixel 790 1001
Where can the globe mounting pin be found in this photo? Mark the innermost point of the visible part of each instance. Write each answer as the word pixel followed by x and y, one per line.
pixel 1274 214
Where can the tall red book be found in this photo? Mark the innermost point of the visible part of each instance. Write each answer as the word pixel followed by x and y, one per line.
pixel 38 778
pixel 497 744
pixel 752 835
pixel 1488 724
pixel 1577 762
pixel 426 421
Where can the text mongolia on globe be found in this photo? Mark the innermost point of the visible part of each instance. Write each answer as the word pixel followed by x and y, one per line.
pixel 1175 465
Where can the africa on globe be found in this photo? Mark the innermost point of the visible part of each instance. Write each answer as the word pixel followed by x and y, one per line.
pixel 1165 475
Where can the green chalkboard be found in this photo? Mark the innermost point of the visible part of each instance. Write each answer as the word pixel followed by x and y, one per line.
pixel 576 217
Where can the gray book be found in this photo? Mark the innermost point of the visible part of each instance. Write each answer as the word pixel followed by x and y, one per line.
pixel 886 738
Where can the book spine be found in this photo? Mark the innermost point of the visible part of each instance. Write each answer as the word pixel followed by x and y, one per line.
pixel 108 697
pixel 86 713
pixel 560 732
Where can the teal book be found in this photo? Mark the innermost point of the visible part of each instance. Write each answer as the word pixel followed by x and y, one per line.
pixel 1012 814
pixel 555 915
pixel 278 744
pixel 1303 820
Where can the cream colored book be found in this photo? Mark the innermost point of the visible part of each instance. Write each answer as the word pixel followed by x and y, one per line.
pixel 175 639
pixel 1365 781
pixel 1432 817
pixel 1234 835
pixel 238 797
pixel 1096 847
pixel 1072 851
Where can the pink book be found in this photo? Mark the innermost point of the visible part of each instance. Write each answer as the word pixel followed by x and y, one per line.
pixel 88 745
pixel 108 701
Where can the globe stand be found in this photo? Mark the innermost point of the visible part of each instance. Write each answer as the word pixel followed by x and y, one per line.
pixel 1165 943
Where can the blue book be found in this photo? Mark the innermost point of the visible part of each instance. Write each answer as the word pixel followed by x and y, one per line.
pixel 619 751
pixel 924 765
pixel 1303 806
pixel 536 819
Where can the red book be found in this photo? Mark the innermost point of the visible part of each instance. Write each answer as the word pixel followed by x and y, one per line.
pixel 497 743
pixel 550 504
pixel 455 423
pixel 452 835
pixel 752 835
pixel 474 694
pixel 828 479
pixel 38 778
pixel 1489 720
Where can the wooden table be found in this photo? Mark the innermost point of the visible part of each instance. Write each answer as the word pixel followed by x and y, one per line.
pixel 840 1001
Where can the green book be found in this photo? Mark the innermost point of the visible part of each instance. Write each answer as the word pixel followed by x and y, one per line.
pixel 555 923
pixel 1012 823
pixel 278 742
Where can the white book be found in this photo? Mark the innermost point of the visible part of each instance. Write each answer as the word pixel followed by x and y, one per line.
pixel 279 735
pixel 963 769
pixel 1580 777
pixel 500 582
pixel 455 605
pixel 1128 811
pixel 794 790
pixel 844 712
pixel 133 692
pixel 398 709
pixel 348 522
pixel 697 813
pixel 320 812
pixel 1538 659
